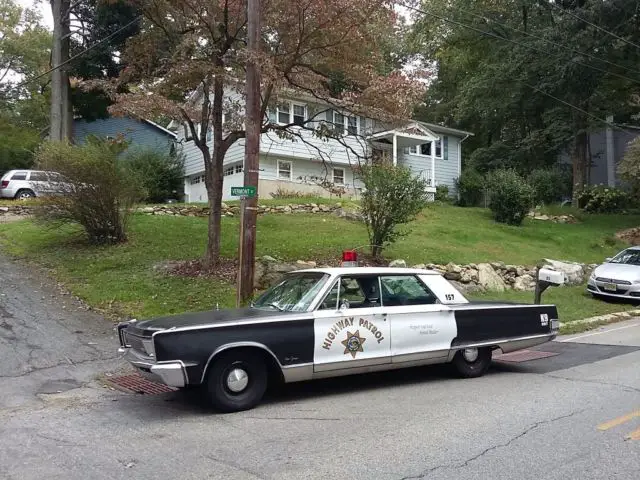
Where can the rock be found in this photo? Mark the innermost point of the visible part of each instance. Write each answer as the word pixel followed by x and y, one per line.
pixel 453 268
pixel 287 209
pixel 467 276
pixel 398 263
pixel 224 206
pixel 338 205
pixel 473 265
pixel 575 273
pixel 452 276
pixel 511 268
pixel 304 264
pixel 420 266
pixel 6 209
pixel 466 288
pixel 489 279
pixel 497 265
pixel 325 208
pixel 315 210
pixel 525 283
pixel 520 271
pixel 268 259
pixel 349 214
pixel 541 217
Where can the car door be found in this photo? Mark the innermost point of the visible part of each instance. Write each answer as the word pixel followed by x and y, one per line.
pixel 422 328
pixel 39 182
pixel 350 327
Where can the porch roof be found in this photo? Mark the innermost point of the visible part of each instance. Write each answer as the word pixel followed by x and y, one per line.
pixel 411 135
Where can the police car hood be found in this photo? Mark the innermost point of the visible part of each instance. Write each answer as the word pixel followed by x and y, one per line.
pixel 211 317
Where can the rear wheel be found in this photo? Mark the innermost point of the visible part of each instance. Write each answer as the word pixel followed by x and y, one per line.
pixel 237 380
pixel 472 362
pixel 24 194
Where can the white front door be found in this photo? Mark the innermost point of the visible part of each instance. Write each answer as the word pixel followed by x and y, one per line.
pixel 421 327
pixel 350 328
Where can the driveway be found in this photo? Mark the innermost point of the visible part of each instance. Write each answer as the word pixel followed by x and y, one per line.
pixel 573 414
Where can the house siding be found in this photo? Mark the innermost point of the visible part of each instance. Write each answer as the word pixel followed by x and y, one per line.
pixel 446 170
pixel 138 133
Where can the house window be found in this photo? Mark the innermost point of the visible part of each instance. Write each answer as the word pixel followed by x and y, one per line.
pixel 425 149
pixel 197 179
pixel 228 171
pixel 283 113
pixel 284 170
pixel 239 168
pixel 338 176
pixel 344 124
pixel 299 114
pixel 294 113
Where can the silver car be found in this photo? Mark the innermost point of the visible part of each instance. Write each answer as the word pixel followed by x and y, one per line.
pixel 618 277
pixel 24 184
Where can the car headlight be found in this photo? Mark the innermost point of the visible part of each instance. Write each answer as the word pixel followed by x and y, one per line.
pixel 148 347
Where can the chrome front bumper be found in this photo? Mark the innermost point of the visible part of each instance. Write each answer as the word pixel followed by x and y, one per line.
pixel 597 287
pixel 172 373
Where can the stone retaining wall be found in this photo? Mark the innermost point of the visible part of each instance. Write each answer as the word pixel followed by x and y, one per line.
pixel 18 209
pixel 233 210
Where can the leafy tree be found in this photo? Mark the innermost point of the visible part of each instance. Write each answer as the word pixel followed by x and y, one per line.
pixel 392 196
pixel 329 51
pixel 536 82
pixel 629 168
pixel 17 146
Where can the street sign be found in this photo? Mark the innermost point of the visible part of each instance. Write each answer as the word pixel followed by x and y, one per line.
pixel 247 192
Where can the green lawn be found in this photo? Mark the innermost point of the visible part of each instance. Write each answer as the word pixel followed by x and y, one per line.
pixel 122 279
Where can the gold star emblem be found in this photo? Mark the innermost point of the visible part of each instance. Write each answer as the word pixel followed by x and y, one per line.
pixel 353 343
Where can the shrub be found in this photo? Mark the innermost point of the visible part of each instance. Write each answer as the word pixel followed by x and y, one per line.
pixel 161 174
pixel 549 185
pixel 511 196
pixel 284 193
pixel 442 193
pixel 391 196
pixel 629 168
pixel 97 191
pixel 470 186
pixel 602 199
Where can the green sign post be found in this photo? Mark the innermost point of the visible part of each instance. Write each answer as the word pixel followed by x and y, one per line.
pixel 246 192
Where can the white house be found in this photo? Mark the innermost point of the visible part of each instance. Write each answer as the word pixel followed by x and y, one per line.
pixel 431 151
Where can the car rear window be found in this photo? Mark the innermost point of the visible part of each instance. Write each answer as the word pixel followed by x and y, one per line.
pixel 19 176
pixel 38 177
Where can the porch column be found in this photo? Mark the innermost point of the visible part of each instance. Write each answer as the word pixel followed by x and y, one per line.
pixel 433 169
pixel 395 150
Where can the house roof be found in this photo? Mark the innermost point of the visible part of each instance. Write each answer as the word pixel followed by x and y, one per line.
pixel 144 120
pixel 442 129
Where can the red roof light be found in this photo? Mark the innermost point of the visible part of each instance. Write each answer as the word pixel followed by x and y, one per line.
pixel 349 258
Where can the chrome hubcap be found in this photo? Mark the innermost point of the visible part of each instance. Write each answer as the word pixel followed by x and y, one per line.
pixel 470 354
pixel 237 380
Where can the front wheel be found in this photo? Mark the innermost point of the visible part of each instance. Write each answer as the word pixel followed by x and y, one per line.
pixel 237 380
pixel 472 362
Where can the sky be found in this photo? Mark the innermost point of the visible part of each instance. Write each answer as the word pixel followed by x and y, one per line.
pixel 44 7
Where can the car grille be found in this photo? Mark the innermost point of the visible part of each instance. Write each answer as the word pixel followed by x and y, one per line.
pixel 613 280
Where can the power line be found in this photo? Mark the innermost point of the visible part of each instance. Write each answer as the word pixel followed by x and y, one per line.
pixel 80 54
pixel 557 44
pixel 493 35
pixel 470 27
pixel 553 4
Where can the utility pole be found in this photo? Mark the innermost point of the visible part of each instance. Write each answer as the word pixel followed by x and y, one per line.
pixel 249 204
pixel 60 112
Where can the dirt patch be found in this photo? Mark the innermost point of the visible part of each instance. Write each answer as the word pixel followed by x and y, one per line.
pixel 9 217
pixel 630 235
pixel 227 269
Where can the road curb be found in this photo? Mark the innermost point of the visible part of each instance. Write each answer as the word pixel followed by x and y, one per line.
pixel 604 318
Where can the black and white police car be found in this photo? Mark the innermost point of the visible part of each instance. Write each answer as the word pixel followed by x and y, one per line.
pixel 325 322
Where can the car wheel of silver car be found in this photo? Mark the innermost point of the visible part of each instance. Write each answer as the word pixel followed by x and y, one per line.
pixel 237 380
pixel 472 362
pixel 24 194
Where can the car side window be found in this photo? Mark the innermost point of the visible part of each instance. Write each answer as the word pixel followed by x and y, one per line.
pixel 398 290
pixel 19 176
pixel 353 292
pixel 38 177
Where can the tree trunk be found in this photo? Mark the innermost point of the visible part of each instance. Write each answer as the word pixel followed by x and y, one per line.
pixel 213 181
pixel 579 161
pixel 61 111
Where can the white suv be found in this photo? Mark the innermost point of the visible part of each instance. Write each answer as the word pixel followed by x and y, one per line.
pixel 23 184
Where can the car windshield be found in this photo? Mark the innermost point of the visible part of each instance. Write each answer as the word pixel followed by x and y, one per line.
pixel 628 257
pixel 294 293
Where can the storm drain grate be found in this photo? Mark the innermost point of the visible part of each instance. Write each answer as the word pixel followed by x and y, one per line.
pixel 136 383
pixel 523 356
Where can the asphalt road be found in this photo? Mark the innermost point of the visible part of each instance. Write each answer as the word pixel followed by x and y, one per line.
pixel 572 415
